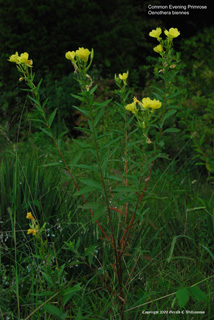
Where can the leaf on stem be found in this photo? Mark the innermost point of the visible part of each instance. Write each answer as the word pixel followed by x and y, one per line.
pixel 51 118
pixel 182 296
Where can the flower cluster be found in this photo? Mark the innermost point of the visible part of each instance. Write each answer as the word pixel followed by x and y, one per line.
pixel 143 111
pixel 78 56
pixel 144 105
pixel 22 59
pixel 34 228
pixel 171 34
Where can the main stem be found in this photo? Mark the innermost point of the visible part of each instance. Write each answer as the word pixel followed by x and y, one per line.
pixel 118 257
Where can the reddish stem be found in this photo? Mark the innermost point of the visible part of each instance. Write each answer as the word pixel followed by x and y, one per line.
pixel 118 210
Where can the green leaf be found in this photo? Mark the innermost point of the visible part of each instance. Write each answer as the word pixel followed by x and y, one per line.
pixel 62 134
pixel 98 213
pixel 159 90
pixel 125 189
pixel 182 296
pixel 93 89
pixel 39 84
pixel 171 249
pixel 208 250
pixel 89 205
pixel 103 104
pixel 46 132
pixel 110 143
pixel 84 191
pixel 114 177
pixel 55 311
pixel 173 95
pixel 51 164
pixel 81 144
pixel 48 279
pixel 157 96
pixel 169 114
pixel 52 116
pixel 171 130
pixel 78 97
pixel 35 101
pixel 85 166
pixel 98 116
pixel 91 182
pixel 83 110
pixel 44 294
pixel 198 293
pixel 69 292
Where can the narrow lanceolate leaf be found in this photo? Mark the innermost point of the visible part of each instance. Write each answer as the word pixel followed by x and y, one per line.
pixel 172 130
pixel 81 144
pixel 52 116
pixel 182 296
pixel 78 97
pixel 54 311
pixel 98 116
pixel 69 292
pixel 169 114
pixel 83 110
pixel 198 294
pixel 34 100
pixel 98 213
pixel 85 190
pixel 122 190
pixel 91 182
pixel 46 132
pixel 171 249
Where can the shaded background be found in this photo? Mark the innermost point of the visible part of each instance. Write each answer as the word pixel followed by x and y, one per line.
pixel 116 29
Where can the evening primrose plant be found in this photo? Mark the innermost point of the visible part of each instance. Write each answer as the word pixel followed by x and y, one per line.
pixel 114 182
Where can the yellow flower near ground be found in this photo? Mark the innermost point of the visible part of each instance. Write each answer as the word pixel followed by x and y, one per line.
pixel 33 231
pixel 158 48
pixel 70 55
pixel 156 33
pixel 83 54
pixel 14 58
pixel 30 216
pixel 172 33
pixel 124 76
pixel 131 107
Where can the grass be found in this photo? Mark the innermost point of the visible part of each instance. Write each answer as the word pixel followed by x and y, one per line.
pixel 172 243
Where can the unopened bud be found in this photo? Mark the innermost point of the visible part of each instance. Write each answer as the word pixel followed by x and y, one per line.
pixel 148 141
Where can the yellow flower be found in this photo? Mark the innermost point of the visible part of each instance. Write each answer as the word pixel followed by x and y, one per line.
pixel 146 102
pixel 153 104
pixel 70 55
pixel 131 107
pixel 172 33
pixel 33 231
pixel 156 33
pixel 30 216
pixel 123 76
pixel 156 104
pixel 24 58
pixel 83 54
pixel 158 48
pixel 14 58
